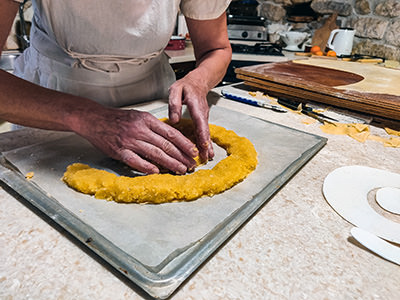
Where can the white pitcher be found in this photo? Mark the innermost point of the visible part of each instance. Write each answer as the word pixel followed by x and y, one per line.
pixel 341 41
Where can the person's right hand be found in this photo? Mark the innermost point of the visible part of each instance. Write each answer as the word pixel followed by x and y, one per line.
pixel 139 140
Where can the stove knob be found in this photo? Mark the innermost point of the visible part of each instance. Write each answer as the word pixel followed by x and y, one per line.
pixel 245 34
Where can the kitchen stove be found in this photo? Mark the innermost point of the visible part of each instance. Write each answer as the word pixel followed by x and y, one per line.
pixel 248 37
pixel 257 48
pixel 251 28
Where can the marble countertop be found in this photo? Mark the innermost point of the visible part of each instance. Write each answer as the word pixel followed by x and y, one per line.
pixel 295 247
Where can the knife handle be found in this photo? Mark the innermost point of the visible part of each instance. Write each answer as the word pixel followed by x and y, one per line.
pixel 240 99
pixel 294 105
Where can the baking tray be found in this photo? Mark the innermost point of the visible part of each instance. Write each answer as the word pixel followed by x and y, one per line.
pixel 157 246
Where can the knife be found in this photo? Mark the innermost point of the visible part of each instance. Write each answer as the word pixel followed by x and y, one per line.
pixel 364 58
pixel 308 111
pixel 252 101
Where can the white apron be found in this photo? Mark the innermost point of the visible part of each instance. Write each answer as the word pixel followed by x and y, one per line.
pixel 108 51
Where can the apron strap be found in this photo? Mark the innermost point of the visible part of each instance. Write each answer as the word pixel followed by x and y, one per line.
pixel 108 63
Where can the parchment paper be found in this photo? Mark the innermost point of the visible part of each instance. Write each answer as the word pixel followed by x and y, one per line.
pixel 155 234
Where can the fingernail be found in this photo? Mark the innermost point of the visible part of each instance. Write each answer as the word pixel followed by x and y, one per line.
pixel 181 171
pixel 154 170
pixel 203 157
pixel 195 151
pixel 174 117
pixel 211 153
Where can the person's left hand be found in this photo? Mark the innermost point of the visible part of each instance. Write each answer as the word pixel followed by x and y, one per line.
pixel 192 91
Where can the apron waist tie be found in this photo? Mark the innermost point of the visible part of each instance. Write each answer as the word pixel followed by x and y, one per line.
pixel 108 63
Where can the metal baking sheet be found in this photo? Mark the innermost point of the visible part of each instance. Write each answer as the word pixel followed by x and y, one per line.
pixel 157 246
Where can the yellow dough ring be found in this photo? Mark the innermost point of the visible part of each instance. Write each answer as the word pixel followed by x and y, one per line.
pixel 161 188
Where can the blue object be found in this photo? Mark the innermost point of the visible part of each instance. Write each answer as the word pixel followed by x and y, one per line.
pixel 254 102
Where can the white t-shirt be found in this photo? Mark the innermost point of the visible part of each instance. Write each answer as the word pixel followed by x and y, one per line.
pixel 110 51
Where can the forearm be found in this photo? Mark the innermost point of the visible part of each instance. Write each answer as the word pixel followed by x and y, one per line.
pixel 212 49
pixel 27 104
pixel 136 138
pixel 212 66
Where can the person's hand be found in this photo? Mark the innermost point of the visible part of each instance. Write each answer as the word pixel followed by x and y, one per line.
pixel 140 140
pixel 192 92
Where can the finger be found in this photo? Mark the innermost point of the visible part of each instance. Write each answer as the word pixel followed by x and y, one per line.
pixel 158 156
pixel 171 150
pixel 205 146
pixel 136 162
pixel 200 120
pixel 175 103
pixel 175 137
pixel 211 153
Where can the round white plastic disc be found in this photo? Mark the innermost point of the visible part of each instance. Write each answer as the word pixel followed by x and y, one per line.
pixel 346 190
pixel 389 199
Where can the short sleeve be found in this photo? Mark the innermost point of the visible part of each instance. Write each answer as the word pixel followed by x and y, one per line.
pixel 203 9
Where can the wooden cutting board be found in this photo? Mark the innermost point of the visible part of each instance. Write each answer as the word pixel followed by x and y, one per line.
pixel 361 87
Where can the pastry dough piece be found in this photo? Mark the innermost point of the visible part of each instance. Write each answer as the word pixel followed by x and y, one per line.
pixel 160 188
pixel 392 132
pixel 359 132
pixel 377 79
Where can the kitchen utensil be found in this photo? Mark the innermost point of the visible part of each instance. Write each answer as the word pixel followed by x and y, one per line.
pixel 366 88
pixel 307 110
pixel 389 199
pixel 346 189
pixel 377 245
pixel 293 39
pixel 341 41
pixel 252 101
pixel 274 31
pixel 322 34
pixel 364 58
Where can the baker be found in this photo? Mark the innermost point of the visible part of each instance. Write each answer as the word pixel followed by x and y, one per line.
pixel 87 59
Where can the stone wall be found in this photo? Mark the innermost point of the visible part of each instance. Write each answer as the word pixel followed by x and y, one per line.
pixel 377 22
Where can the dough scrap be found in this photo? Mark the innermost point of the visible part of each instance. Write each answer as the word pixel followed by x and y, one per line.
pixel 361 133
pixel 392 131
pixel 29 175
pixel 161 188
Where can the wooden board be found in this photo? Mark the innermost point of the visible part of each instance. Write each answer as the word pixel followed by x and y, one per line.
pixel 321 35
pixel 307 82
